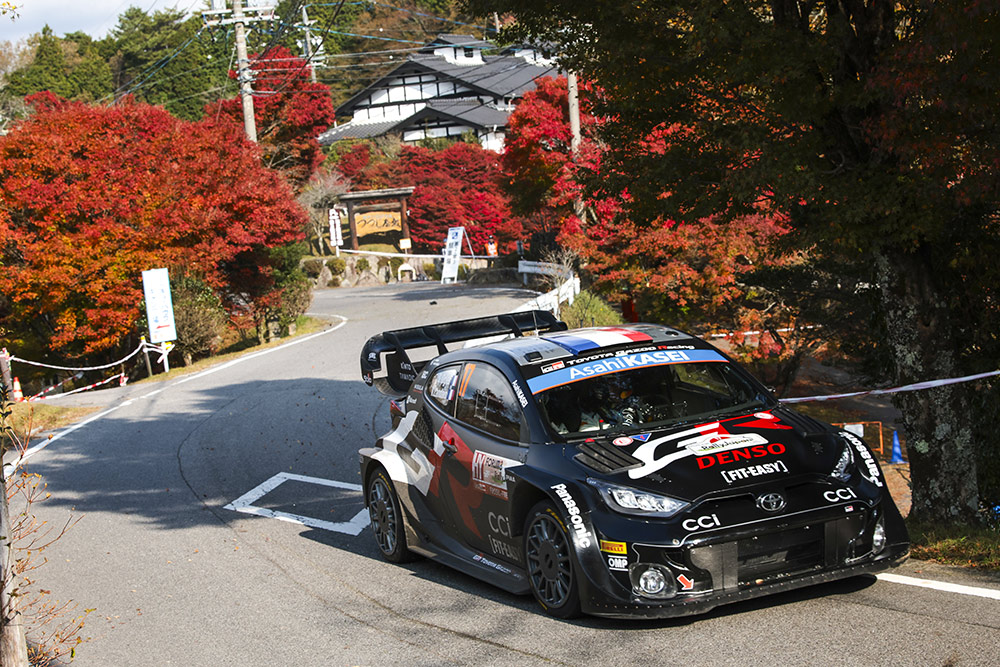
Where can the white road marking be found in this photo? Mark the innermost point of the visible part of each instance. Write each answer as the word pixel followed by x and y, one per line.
pixel 245 504
pixel 991 593
pixel 9 468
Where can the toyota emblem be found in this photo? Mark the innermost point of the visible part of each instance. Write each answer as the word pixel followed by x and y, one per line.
pixel 771 502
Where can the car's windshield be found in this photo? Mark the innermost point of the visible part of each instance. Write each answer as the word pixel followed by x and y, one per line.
pixel 644 398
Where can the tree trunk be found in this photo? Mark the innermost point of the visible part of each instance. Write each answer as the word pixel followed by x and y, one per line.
pixel 13 648
pixel 938 422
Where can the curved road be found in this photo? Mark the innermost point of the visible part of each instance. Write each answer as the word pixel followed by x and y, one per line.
pixel 220 526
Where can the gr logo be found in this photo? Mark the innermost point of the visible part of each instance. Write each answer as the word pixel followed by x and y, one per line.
pixel 839 495
pixel 701 523
pixel 499 524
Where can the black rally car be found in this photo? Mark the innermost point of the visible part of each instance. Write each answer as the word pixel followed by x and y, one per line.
pixel 626 471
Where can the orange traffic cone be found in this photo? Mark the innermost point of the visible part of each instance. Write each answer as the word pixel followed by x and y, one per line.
pixel 18 396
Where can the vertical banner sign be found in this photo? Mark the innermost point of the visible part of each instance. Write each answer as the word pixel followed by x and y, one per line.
pixel 159 307
pixel 452 253
pixel 336 233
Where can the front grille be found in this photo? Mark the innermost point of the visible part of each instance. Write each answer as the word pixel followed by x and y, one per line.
pixel 775 555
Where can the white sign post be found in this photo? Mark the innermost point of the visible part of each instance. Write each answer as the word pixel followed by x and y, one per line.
pixel 336 233
pixel 159 309
pixel 452 253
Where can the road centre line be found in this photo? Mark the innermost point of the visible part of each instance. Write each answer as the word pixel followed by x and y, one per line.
pixel 990 593
pixel 31 451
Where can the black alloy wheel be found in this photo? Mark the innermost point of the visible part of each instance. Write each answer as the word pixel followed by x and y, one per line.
pixel 548 556
pixel 387 518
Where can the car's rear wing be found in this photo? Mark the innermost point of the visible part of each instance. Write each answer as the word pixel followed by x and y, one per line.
pixel 399 371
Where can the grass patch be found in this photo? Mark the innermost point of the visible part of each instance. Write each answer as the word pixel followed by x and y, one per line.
pixel 304 325
pixel 28 419
pixel 964 546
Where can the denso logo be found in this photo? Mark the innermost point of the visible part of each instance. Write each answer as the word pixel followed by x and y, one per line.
pixel 744 454
pixel 706 522
pixel 840 495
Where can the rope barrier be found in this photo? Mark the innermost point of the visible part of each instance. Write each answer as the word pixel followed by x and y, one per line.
pixel 42 393
pixel 929 384
pixel 88 368
pixel 122 379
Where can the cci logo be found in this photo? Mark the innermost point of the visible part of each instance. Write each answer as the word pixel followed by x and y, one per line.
pixel 701 523
pixel 839 495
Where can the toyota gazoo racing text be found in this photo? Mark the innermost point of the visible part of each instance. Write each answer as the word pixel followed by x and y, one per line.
pixel 633 471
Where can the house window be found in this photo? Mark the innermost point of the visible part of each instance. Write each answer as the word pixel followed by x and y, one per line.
pixel 469 53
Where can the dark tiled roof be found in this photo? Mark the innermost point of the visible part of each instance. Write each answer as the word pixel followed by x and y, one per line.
pixel 503 76
pixel 357 131
pixel 500 76
pixel 465 112
pixel 470 112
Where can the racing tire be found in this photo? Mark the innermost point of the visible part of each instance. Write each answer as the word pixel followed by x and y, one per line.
pixel 387 518
pixel 550 562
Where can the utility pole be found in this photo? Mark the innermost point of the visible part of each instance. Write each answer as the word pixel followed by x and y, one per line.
pixel 574 128
pixel 308 44
pixel 243 72
pixel 218 15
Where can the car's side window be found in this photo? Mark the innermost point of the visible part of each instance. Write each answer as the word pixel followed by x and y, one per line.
pixel 441 388
pixel 486 401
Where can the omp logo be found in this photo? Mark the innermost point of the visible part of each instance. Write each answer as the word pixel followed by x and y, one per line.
pixel 617 563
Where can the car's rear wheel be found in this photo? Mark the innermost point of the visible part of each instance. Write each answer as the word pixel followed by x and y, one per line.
pixel 387 518
pixel 548 555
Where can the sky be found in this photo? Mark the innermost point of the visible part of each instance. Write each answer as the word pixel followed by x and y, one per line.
pixel 94 17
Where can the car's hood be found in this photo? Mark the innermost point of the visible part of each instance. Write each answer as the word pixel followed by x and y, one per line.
pixel 695 459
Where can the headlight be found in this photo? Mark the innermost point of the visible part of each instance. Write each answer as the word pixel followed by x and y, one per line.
pixel 627 500
pixel 878 536
pixel 840 471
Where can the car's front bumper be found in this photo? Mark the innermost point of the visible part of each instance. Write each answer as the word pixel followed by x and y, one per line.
pixel 741 565
pixel 699 604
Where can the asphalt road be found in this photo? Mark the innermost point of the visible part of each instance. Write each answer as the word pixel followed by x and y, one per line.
pixel 177 576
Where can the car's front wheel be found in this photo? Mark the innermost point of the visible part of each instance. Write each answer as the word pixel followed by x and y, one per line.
pixel 551 565
pixel 387 518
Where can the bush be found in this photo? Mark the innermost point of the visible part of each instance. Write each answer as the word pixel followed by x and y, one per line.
pixel 463 272
pixel 590 310
pixel 199 317
pixel 430 270
pixel 295 300
pixel 312 268
pixel 362 265
pixel 337 266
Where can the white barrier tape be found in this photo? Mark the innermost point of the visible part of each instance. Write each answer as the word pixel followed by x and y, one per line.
pixel 88 368
pixel 55 386
pixel 89 386
pixel 393 254
pixel 757 333
pixel 909 387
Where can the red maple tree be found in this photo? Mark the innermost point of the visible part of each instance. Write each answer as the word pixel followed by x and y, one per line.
pixel 460 185
pixel 95 195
